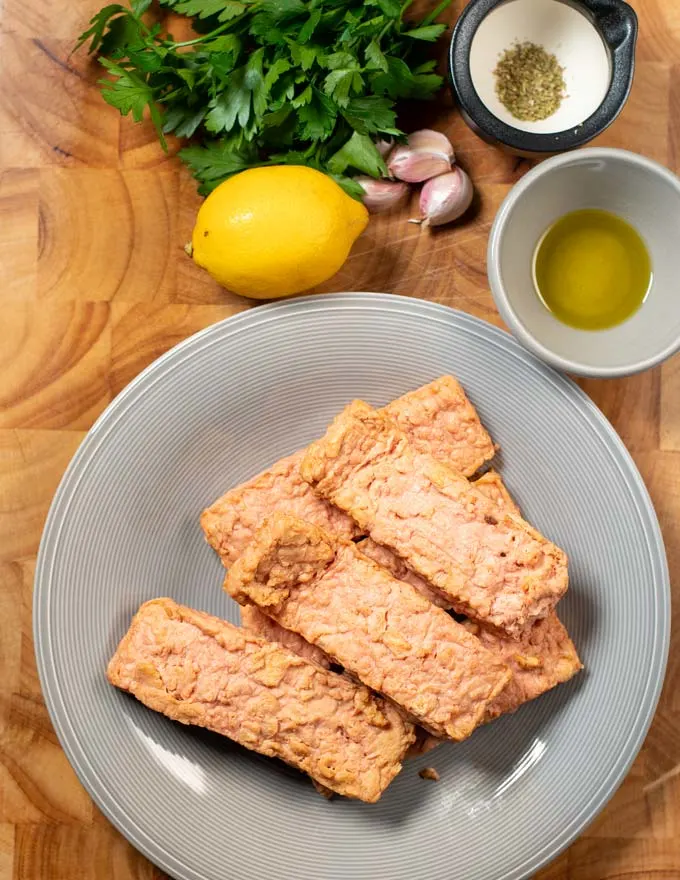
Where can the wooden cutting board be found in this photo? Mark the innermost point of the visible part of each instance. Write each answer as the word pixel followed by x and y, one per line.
pixel 94 285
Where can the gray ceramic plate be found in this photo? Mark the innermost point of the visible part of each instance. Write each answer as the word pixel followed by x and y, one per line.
pixel 224 404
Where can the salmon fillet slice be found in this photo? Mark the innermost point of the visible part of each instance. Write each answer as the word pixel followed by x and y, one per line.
pixel 489 484
pixel 255 621
pixel 493 566
pixel 440 420
pixel 231 522
pixel 200 670
pixel 541 658
pixel 438 417
pixel 378 628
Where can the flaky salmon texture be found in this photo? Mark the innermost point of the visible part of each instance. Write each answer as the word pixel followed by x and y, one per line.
pixel 438 418
pixel 492 565
pixel 377 627
pixel 348 558
pixel 200 670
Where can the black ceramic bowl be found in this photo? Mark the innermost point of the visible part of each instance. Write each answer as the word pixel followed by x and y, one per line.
pixel 610 25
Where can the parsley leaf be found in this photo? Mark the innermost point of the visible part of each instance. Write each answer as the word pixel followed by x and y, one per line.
pixel 311 82
pixel 361 153
pixel 308 28
pixel 374 57
pixel 129 93
pixel 222 9
pixel 390 8
pixel 339 83
pixel 401 82
pixel 231 106
pixel 430 32
pixel 215 161
pixel 98 24
pixel 317 117
pixel 371 115
pixel 351 187
pixel 183 121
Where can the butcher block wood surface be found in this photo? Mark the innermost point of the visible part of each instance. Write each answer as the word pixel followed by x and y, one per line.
pixel 95 285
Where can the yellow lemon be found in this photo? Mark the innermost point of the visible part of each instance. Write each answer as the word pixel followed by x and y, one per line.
pixel 274 231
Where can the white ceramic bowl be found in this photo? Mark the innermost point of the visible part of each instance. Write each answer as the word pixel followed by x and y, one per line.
pixel 645 194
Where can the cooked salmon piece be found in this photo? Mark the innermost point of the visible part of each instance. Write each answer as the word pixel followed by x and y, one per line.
pixel 378 628
pixel 230 523
pixel 544 655
pixel 493 565
pixel 200 670
pixel 438 417
pixel 542 658
pixel 255 621
pixel 440 420
pixel 492 486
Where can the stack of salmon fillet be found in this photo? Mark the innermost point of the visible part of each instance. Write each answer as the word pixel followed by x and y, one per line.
pixel 390 601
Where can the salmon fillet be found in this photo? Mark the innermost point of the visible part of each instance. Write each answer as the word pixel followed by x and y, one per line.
pixel 493 566
pixel 543 657
pixel 256 622
pixel 200 670
pixel 230 523
pixel 489 484
pixel 375 626
pixel 438 417
pixel 440 420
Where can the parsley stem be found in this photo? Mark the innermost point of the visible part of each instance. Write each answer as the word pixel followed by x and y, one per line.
pixel 404 8
pixel 435 13
pixel 201 39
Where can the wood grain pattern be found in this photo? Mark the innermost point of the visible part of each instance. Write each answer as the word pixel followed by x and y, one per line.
pixel 93 219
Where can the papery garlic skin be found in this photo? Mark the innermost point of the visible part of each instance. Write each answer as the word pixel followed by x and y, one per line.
pixel 445 198
pixel 426 154
pixel 384 147
pixel 382 196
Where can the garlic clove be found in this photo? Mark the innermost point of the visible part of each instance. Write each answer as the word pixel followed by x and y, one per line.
pixel 382 195
pixel 445 198
pixel 429 139
pixel 384 147
pixel 413 167
pixel 426 154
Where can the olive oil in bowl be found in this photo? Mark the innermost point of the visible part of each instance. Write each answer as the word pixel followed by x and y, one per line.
pixel 592 269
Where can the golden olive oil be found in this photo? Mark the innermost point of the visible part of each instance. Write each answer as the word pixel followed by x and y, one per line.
pixel 592 269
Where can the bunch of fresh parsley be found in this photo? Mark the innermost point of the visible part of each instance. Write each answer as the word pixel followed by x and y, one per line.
pixel 302 82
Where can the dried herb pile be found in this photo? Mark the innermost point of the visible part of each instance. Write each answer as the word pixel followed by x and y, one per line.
pixel 529 82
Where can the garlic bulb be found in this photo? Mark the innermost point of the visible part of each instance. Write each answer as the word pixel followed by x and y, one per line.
pixel 382 195
pixel 426 154
pixel 445 198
